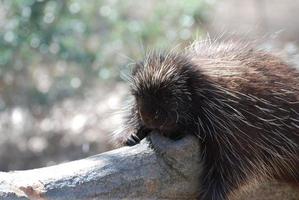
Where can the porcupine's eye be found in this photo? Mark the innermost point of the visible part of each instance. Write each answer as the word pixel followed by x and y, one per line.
pixel 134 93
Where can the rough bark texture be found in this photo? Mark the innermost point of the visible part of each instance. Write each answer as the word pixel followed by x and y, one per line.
pixel 159 169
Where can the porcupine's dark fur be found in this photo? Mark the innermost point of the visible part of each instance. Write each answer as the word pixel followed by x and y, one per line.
pixel 242 103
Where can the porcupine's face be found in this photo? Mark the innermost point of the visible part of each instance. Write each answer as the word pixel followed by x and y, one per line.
pixel 163 98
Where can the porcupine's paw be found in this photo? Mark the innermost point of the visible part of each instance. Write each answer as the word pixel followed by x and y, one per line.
pixel 132 140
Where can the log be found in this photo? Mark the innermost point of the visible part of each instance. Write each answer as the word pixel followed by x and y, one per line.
pixel 157 168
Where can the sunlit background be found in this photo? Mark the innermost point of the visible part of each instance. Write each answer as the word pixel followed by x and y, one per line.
pixel 61 70
pixel 62 63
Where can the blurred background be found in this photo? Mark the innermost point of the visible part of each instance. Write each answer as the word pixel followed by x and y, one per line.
pixel 62 63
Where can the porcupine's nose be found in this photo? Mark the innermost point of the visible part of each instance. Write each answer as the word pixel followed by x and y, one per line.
pixel 148 118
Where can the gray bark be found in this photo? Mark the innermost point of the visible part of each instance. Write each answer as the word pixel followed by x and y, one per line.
pixel 160 169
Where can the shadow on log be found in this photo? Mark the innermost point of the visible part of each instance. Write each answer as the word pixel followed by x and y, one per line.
pixel 157 168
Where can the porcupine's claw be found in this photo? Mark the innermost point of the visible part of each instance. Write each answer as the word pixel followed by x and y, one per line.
pixel 136 138
pixel 132 140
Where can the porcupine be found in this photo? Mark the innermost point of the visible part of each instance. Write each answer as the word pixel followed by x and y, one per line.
pixel 241 102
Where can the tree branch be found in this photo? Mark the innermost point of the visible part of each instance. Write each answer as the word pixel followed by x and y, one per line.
pixel 170 171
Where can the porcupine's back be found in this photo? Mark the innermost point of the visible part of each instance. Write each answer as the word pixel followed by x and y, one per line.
pixel 250 109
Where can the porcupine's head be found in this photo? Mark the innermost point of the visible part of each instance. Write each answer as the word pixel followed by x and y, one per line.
pixel 162 87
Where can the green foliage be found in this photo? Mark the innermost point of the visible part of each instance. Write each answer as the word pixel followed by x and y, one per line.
pixel 50 46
